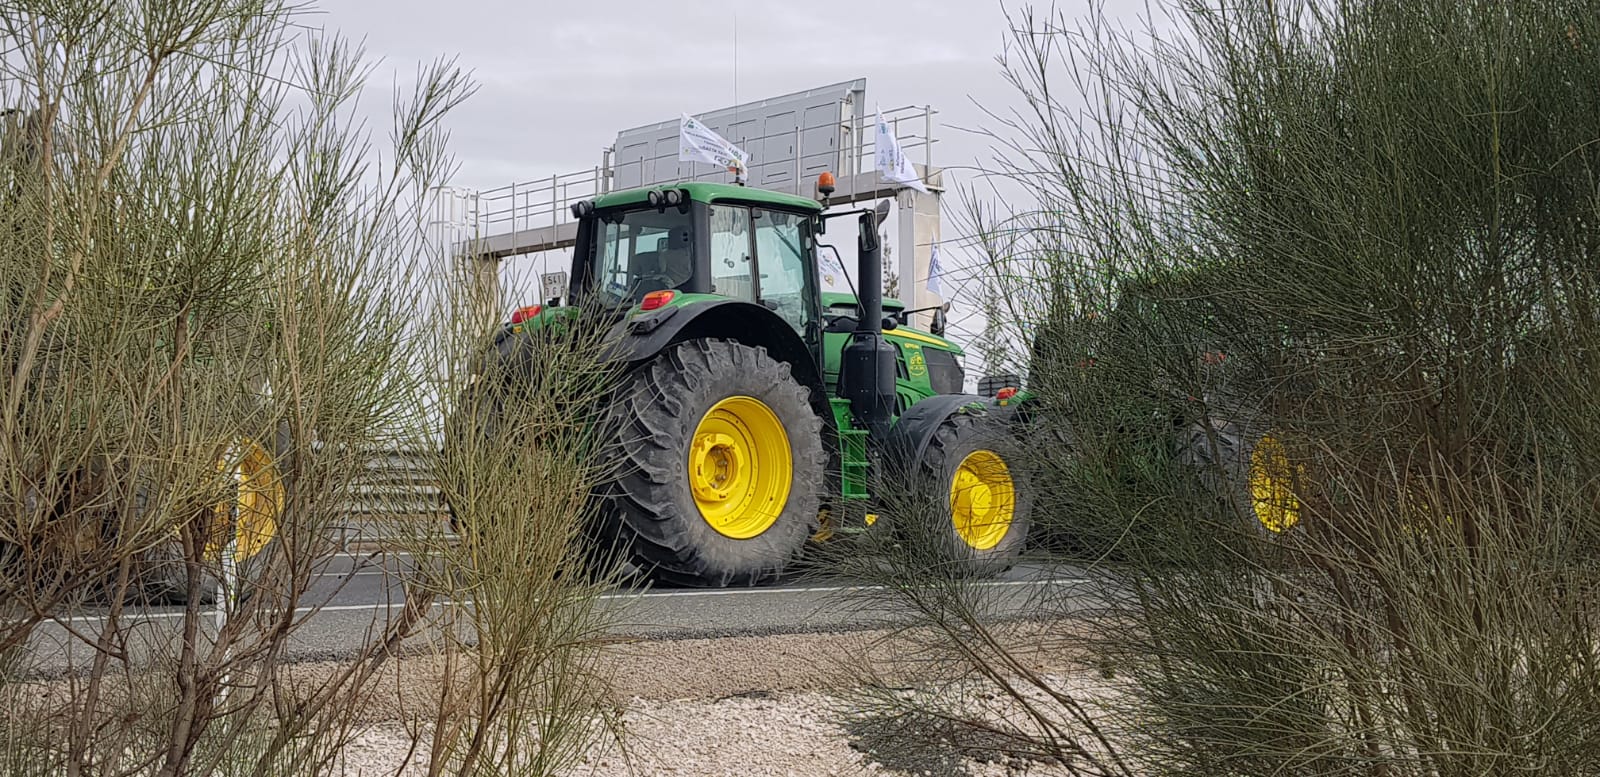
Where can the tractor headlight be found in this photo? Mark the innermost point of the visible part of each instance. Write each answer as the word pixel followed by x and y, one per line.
pixel 674 198
pixel 656 199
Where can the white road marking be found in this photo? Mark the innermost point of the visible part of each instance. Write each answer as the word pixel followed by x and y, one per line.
pixel 814 589
pixel 151 616
pixel 684 593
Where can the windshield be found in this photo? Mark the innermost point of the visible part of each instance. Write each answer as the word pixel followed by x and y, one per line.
pixel 640 251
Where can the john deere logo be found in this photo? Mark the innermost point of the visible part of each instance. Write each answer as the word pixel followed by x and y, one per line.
pixel 916 365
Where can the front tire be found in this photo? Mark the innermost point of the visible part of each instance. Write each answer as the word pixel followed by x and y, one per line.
pixel 987 500
pixel 714 466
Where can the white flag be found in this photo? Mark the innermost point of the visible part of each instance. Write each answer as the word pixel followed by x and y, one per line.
pixel 892 163
pixel 933 271
pixel 698 143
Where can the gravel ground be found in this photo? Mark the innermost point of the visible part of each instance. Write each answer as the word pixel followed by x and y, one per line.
pixel 782 735
pixel 772 705
pixel 734 706
pixel 683 669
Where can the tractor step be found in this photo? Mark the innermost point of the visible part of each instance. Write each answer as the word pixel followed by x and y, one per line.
pixel 852 455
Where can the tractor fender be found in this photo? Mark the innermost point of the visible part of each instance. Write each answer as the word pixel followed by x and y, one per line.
pixel 909 437
pixel 642 337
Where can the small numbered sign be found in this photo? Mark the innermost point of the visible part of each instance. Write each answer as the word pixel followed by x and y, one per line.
pixel 555 284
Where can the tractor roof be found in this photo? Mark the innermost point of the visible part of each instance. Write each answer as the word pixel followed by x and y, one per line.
pixel 710 192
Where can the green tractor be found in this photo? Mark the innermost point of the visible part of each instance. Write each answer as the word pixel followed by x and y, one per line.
pixel 756 412
pixel 1161 316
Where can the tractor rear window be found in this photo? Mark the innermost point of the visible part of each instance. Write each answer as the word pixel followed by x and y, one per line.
pixel 641 251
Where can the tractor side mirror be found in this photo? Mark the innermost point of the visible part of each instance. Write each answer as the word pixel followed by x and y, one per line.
pixel 881 213
pixel 840 325
pixel 937 327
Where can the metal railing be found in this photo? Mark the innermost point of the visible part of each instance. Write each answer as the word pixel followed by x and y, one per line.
pixel 546 202
pixel 537 204
pixel 396 481
pixel 395 495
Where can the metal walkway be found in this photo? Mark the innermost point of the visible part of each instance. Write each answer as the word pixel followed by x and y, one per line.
pixel 534 216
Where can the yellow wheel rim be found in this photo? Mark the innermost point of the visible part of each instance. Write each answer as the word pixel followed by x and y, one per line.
pixel 1272 485
pixel 983 499
pixel 253 511
pixel 740 467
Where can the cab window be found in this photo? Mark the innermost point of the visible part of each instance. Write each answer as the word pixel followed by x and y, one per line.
pixel 732 266
pixel 781 256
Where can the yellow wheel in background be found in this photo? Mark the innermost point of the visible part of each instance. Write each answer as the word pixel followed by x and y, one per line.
pixel 983 499
pixel 253 512
pixel 1272 480
pixel 740 467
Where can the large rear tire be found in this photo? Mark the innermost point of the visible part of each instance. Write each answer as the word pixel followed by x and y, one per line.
pixel 987 498
pixel 715 466
pixel 1250 469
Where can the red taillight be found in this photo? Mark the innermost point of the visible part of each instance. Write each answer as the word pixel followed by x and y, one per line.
pixel 523 314
pixel 656 299
pixel 1006 393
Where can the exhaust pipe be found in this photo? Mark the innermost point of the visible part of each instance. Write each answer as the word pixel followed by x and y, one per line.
pixel 867 366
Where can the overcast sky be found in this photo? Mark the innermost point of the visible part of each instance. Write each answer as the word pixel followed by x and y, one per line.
pixel 559 79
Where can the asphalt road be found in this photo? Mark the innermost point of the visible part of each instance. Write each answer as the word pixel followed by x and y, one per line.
pixel 357 595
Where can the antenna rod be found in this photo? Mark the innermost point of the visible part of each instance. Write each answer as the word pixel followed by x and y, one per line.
pixel 736 62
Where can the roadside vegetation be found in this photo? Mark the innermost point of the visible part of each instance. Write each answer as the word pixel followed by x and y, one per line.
pixel 1310 292
pixel 1307 296
pixel 216 306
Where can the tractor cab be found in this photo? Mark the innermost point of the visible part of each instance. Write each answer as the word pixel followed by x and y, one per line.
pixel 700 239
pixel 710 244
